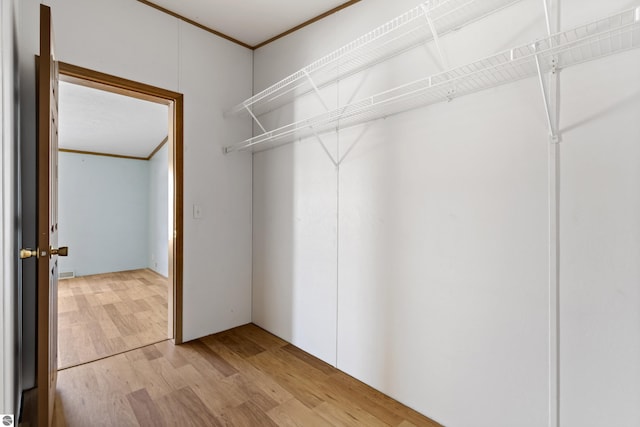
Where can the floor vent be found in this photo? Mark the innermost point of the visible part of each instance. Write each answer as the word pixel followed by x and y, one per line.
pixel 66 275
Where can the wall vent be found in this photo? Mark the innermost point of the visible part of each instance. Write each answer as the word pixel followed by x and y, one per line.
pixel 66 275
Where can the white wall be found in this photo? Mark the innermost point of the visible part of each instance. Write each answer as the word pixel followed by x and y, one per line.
pixel 158 252
pixel 130 40
pixel 420 266
pixel 104 213
pixel 600 235
pixel 9 209
pixel 114 213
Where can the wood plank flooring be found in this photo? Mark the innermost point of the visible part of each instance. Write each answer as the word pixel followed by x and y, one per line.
pixel 242 377
pixel 106 314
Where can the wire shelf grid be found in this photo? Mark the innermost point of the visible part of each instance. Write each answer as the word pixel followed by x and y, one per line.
pixel 390 39
pixel 607 36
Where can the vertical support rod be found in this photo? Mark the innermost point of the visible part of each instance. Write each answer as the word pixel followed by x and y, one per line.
pixel 543 90
pixel 255 119
pixel 554 285
pixel 436 38
pixel 551 98
pixel 316 90
pixel 547 17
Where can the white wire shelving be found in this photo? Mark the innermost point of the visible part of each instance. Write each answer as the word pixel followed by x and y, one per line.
pixel 422 24
pixel 604 37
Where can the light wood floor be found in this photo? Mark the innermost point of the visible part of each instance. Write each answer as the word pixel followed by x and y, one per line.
pixel 105 314
pixel 242 377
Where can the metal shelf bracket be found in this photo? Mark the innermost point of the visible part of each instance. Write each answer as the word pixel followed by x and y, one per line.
pixel 316 90
pixel 255 119
pixel 436 39
pixel 553 131
pixel 326 150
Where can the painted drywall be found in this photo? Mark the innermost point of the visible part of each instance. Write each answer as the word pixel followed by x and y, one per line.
pixel 133 41
pixel 420 265
pixel 158 250
pixel 10 280
pixel 114 213
pixel 428 233
pixel 600 236
pixel 103 213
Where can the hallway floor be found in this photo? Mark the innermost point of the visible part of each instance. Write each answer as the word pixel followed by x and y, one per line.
pixel 105 314
pixel 242 377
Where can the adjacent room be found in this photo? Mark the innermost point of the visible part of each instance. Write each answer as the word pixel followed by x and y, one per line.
pixel 332 213
pixel 113 207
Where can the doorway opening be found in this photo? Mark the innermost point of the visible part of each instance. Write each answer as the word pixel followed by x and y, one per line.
pixel 121 214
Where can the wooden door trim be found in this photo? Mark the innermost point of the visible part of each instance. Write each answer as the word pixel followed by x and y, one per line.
pixel 241 43
pixel 95 79
pixel 95 153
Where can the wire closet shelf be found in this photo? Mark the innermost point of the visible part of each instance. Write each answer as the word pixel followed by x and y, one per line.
pixel 396 36
pixel 604 37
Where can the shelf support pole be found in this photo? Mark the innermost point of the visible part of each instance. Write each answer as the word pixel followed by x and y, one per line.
pixel 551 100
pixel 324 147
pixel 436 39
pixel 316 90
pixel 255 119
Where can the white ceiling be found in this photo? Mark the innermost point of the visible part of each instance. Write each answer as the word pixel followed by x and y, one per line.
pixel 104 122
pixel 249 21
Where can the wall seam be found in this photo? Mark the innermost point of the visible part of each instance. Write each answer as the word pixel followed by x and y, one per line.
pixel 253 82
pixel 337 243
pixel 337 221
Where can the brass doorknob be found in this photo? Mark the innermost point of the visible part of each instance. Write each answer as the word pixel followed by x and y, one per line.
pixel 27 253
pixel 61 251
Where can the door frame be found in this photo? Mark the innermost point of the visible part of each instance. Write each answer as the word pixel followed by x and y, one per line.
pixel 175 101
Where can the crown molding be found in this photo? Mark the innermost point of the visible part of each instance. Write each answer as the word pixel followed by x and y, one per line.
pixel 241 43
